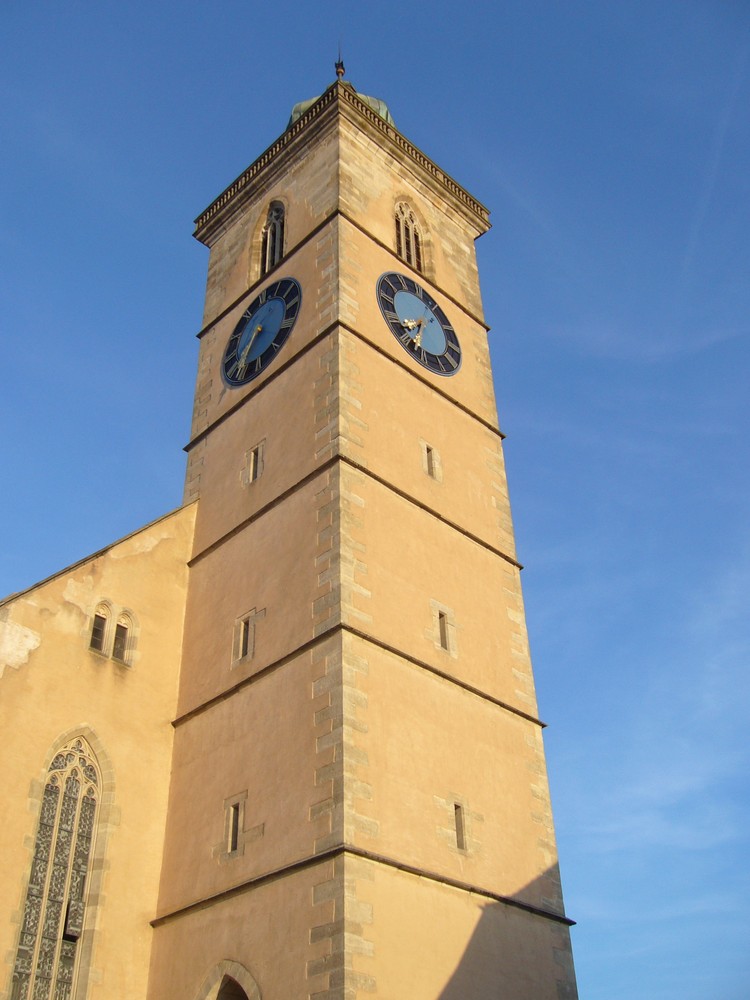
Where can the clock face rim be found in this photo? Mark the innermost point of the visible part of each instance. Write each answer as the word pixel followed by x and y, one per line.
pixel 286 290
pixel 428 360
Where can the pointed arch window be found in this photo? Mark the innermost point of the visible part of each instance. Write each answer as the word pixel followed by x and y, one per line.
pixel 46 963
pixel 122 639
pixel 408 237
pixel 98 638
pixel 272 247
pixel 113 633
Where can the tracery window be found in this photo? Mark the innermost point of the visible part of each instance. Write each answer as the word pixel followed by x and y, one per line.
pixel 53 916
pixel 408 236
pixel 272 247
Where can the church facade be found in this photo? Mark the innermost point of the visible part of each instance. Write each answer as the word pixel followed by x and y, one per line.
pixel 283 742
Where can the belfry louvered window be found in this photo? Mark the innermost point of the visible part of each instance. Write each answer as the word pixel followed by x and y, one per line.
pixel 272 247
pixel 408 237
pixel 53 916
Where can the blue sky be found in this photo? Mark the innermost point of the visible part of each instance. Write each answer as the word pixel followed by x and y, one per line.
pixel 611 141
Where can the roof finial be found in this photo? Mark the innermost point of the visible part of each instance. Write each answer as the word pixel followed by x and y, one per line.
pixel 340 65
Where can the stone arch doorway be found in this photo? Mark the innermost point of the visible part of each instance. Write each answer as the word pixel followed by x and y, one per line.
pixel 229 981
pixel 230 989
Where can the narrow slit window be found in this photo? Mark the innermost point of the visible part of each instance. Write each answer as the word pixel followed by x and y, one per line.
pixel 233 839
pixel 98 630
pixel 244 635
pixel 252 468
pixel 246 631
pixel 253 464
pixel 443 629
pixel 429 455
pixel 458 815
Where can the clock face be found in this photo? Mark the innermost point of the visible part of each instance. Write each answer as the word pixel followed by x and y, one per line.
pixel 262 331
pixel 418 323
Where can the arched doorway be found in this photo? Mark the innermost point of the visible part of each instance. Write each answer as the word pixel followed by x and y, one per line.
pixel 230 989
pixel 229 981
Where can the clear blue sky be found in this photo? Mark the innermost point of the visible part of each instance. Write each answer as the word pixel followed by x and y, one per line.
pixel 611 141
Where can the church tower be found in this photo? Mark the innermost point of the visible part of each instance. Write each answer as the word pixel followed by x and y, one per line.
pixel 282 743
pixel 358 803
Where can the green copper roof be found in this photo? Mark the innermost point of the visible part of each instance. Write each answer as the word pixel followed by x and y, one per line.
pixel 378 106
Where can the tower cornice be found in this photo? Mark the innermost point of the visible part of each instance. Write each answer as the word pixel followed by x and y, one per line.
pixel 339 99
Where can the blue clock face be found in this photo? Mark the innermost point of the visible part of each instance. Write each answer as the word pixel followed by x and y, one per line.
pixel 261 332
pixel 419 324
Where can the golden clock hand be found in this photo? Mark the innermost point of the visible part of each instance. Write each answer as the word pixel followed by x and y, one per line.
pixel 418 338
pixel 249 345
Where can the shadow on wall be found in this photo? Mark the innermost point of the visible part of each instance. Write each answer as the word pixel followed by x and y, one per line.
pixel 517 953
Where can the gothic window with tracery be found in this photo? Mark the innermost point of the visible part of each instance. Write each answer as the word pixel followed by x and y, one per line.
pixel 272 247
pixel 53 916
pixel 408 237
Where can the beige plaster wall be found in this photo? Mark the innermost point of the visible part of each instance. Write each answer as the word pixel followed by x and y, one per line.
pixel 280 931
pixel 373 181
pixel 422 747
pixel 410 565
pixel 307 187
pixel 271 565
pixel 289 420
pixel 362 264
pixel 261 743
pixel 429 941
pixel 392 427
pixel 313 266
pixel 54 687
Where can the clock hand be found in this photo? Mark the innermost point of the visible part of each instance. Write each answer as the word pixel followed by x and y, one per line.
pixel 249 345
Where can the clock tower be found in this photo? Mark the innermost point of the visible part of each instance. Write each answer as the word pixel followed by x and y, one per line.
pixel 358 801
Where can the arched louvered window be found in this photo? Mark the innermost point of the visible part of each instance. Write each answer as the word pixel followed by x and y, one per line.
pixel 272 248
pixel 408 237
pixel 53 917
